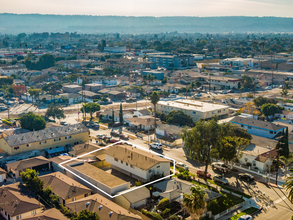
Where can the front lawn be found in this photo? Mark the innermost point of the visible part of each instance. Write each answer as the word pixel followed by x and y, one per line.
pixel 248 211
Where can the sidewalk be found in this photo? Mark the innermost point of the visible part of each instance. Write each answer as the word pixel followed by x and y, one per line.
pixel 252 202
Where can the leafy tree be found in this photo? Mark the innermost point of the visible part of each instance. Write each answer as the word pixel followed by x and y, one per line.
pixel 164 203
pixel 91 108
pixel 269 109
pixel 286 162
pixel 73 77
pixel 19 90
pixel 87 215
pixel 179 117
pixel 14 76
pixel 34 93
pixel 165 80
pixel 155 98
pixel 32 181
pixel 121 114
pixel 260 100
pixel 195 202
pixel 247 81
pixel 55 112
pixel 32 122
pixel 6 81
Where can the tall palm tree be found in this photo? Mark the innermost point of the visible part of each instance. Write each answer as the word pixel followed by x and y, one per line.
pixel 286 161
pixel 288 185
pixel 155 98
pixel 195 202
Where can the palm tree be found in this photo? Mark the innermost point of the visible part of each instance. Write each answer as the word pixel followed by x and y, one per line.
pixel 286 162
pixel 288 185
pixel 155 98
pixel 195 202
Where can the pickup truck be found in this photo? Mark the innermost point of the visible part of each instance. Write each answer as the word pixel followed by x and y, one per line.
pixel 221 167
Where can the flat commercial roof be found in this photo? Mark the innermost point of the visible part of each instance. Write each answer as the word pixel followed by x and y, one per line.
pixel 99 175
pixel 193 105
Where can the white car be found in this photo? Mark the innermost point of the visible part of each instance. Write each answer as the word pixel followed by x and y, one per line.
pixel 245 217
pixel 179 164
pixel 156 146
pixel 198 95
pixel 268 88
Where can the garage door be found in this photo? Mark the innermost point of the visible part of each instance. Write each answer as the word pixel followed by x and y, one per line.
pixel 1 179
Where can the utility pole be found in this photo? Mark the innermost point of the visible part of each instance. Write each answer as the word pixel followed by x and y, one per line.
pixel 209 82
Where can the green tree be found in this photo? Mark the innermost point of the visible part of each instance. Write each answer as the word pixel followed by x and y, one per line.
pixel 31 122
pixel 34 93
pixel 6 81
pixel 260 100
pixel 269 109
pixel 121 114
pixel 195 202
pixel 247 81
pixel 283 144
pixel 286 162
pixel 155 98
pixel 179 117
pixel 87 215
pixel 91 108
pixel 165 80
pixel 55 112
pixel 32 181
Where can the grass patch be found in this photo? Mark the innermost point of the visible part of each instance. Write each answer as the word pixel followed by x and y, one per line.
pixel 248 211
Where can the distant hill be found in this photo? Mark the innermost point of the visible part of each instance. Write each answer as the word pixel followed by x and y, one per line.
pixel 29 23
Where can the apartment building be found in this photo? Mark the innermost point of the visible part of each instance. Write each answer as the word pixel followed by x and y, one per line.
pixel 136 163
pixel 72 88
pixel 196 109
pixel 241 62
pixel 52 139
pixel 167 61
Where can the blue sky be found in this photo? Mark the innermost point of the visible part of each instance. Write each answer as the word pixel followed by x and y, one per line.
pixel 202 8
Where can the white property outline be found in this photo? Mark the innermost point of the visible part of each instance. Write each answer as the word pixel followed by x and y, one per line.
pixel 126 191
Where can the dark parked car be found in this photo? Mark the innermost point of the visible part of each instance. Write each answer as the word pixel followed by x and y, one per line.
pixel 246 176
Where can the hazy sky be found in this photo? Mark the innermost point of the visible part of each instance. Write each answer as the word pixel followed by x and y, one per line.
pixel 202 8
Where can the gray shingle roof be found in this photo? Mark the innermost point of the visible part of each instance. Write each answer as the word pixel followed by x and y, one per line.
pixel 45 134
pixel 256 123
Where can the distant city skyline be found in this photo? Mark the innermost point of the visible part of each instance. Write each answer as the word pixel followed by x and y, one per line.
pixel 206 8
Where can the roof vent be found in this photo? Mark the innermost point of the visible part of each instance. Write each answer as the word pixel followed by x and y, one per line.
pixel 110 213
pixel 100 207
pixel 87 204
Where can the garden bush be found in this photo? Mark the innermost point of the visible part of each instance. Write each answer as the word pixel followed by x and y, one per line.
pixel 7 122
pixel 184 176
pixel 164 203
pixel 152 215
pixel 166 213
pixel 138 183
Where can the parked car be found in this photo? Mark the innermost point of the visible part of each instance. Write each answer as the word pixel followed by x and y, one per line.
pixel 224 92
pixel 100 136
pixel 114 140
pixel 156 146
pixel 220 166
pixel 245 217
pixel 198 95
pixel 200 172
pixel 21 102
pixel 106 137
pixel 182 165
pixel 231 91
pixel 220 179
pixel 115 133
pixel 116 124
pixel 172 96
pixel 268 87
pixel 124 136
pixel 246 176
pixel 63 123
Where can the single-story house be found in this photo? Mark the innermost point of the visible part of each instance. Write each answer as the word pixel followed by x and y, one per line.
pixel 173 189
pixel 72 97
pixel 66 188
pixel 143 112
pixel 89 94
pixel 285 122
pixel 258 157
pixel 258 127
pixel 142 123
pixel 284 114
pixel 136 198
pixel 37 163
pixel 107 115
pixel 49 214
pixel 114 95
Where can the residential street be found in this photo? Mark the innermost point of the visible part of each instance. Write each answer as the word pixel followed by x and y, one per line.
pixel 271 198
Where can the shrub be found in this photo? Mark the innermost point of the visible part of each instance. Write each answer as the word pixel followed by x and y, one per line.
pixel 138 183
pixel 166 213
pixel 152 215
pixel 181 169
pixel 7 122
pixel 184 176
pixel 164 203
pixel 174 217
pixel 248 164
